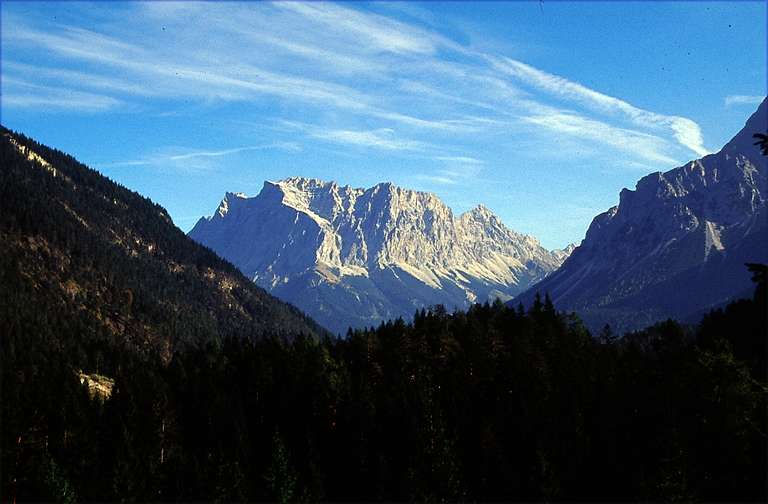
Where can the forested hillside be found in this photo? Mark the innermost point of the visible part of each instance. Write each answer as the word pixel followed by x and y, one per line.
pixel 84 256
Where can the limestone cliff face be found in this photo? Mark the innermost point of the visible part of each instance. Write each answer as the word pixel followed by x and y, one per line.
pixel 356 257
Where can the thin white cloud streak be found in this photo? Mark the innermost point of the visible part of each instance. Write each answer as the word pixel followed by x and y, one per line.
pixel 173 159
pixel 59 101
pixel 383 138
pixel 436 179
pixel 411 10
pixel 465 124
pixel 732 100
pixel 460 160
pixel 77 43
pixel 647 146
pixel 460 169
pixel 19 93
pixel 380 139
pixel 425 90
pixel 686 131
pixel 227 152
pixel 375 31
pixel 387 139
pixel 83 79
pixel 341 63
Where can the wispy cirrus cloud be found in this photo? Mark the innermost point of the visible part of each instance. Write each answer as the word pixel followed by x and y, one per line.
pixel 451 170
pixel 184 159
pixel 376 32
pixel 382 138
pixel 436 179
pixel 649 147
pixel 460 159
pixel 341 63
pixel 227 152
pixel 84 80
pixel 366 79
pixel 24 94
pixel 685 131
pixel 152 74
pixel 732 100
pixel 145 71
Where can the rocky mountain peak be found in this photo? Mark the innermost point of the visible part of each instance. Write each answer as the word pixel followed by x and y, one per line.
pixel 230 200
pixel 393 249
pixel 481 213
pixel 743 144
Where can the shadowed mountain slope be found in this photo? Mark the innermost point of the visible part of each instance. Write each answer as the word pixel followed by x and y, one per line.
pixel 83 254
pixel 676 245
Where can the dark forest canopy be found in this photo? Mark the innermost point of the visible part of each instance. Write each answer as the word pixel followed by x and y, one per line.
pixel 491 404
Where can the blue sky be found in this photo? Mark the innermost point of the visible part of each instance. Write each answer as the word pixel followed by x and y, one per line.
pixel 542 111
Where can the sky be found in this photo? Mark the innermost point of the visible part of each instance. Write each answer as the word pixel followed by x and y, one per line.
pixel 542 111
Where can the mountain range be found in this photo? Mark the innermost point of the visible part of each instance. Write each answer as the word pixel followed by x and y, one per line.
pixel 86 252
pixel 674 247
pixel 358 257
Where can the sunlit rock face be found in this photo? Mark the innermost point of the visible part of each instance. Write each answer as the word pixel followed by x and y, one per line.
pixel 357 257
pixel 676 245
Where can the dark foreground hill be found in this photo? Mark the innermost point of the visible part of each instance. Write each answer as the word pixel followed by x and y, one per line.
pixel 676 245
pixel 80 254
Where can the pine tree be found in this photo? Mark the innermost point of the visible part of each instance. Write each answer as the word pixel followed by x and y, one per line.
pixel 280 476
